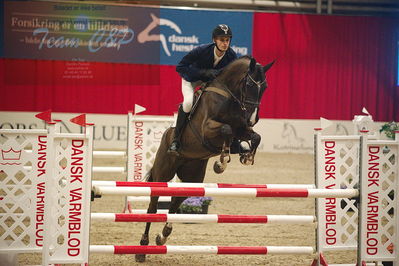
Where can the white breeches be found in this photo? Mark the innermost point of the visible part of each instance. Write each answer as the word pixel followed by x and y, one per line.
pixel 187 88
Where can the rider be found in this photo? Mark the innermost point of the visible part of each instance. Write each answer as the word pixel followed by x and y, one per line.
pixel 200 65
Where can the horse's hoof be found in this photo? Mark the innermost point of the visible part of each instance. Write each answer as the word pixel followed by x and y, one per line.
pixel 218 167
pixel 245 160
pixel 140 257
pixel 160 240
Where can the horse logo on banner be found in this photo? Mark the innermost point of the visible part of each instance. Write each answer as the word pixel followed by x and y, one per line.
pixel 145 35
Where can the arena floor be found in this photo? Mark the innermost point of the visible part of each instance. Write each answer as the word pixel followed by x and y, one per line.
pixel 268 168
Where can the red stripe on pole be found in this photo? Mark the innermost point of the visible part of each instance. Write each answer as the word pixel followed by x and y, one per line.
pixel 242 250
pixel 242 219
pixel 140 250
pixel 141 184
pixel 282 192
pixel 179 192
pixel 165 184
pixel 223 185
pixel 149 217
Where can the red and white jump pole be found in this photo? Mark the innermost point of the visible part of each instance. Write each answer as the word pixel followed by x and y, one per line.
pixel 204 185
pixel 203 218
pixel 216 250
pixel 240 192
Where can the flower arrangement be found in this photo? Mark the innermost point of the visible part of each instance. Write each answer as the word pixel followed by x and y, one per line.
pixel 389 129
pixel 195 205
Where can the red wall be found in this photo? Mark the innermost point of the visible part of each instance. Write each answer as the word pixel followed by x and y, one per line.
pixel 329 66
pixel 37 85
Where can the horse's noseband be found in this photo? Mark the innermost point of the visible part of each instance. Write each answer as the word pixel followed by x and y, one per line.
pixel 244 102
pixel 257 83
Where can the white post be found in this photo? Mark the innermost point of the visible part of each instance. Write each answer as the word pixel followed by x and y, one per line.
pixel 67 210
pixel 144 137
pixel 379 202
pixel 336 167
pixel 28 204
pixel 317 151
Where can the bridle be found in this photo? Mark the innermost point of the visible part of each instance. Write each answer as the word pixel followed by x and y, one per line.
pixel 242 100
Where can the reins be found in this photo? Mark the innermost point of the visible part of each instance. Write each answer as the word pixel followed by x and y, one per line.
pixel 205 143
pixel 243 101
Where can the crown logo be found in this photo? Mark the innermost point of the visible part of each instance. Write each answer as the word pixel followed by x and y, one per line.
pixel 11 154
pixel 224 28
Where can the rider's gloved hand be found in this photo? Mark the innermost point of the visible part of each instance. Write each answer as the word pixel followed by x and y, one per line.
pixel 208 74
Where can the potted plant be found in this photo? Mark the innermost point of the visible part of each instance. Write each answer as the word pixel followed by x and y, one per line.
pixel 389 129
pixel 198 205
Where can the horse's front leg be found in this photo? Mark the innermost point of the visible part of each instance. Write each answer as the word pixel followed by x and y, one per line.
pixel 248 158
pixel 227 134
pixel 152 208
pixel 220 134
pixel 167 229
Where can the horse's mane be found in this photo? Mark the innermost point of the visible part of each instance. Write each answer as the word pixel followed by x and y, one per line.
pixel 239 65
pixel 235 71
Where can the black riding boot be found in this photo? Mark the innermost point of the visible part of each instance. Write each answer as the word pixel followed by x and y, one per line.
pixel 180 125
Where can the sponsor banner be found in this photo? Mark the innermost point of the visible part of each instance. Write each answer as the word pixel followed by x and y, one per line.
pixel 110 131
pixel 296 136
pixel 182 30
pixel 112 33
pixel 282 136
pixel 79 32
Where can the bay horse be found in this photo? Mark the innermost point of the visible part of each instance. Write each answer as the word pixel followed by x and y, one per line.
pixel 227 107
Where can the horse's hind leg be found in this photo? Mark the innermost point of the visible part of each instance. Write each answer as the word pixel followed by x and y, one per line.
pixel 167 229
pixel 152 208
pixel 190 172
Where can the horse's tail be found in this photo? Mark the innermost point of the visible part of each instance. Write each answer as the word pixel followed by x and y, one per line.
pixel 148 176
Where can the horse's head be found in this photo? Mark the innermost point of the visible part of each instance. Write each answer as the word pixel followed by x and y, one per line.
pixel 246 80
pixel 255 86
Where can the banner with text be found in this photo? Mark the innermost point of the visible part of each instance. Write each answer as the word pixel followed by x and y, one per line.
pixel 114 33
pixel 182 30
pixel 79 32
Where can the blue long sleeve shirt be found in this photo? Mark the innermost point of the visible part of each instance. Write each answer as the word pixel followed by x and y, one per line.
pixel 202 57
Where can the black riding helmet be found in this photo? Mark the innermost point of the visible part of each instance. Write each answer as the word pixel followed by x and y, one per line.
pixel 222 30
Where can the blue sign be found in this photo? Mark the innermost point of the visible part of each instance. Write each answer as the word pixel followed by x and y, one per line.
pixel 182 30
